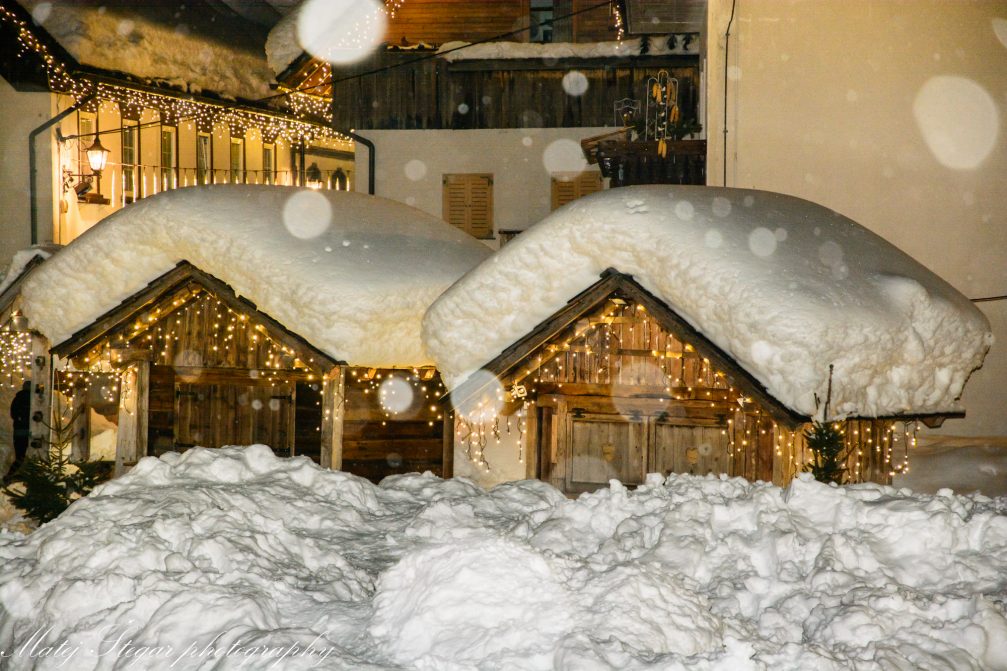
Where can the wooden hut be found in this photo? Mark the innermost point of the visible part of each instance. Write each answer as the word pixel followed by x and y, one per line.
pixel 617 385
pixel 701 352
pixel 243 339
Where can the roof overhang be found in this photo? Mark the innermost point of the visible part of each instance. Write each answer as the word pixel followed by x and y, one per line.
pixel 165 286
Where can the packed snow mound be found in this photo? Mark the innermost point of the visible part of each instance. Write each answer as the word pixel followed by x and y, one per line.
pixel 350 273
pixel 784 286
pixel 233 558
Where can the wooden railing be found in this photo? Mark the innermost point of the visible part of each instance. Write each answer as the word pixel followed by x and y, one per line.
pixel 120 185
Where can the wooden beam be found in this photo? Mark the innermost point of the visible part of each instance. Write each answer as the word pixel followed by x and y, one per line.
pixel 131 437
pixel 671 321
pixel 40 409
pixel 173 281
pixel 448 446
pixel 611 283
pixel 333 413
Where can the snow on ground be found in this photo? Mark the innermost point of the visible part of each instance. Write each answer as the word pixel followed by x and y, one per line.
pixel 785 286
pixel 350 273
pixel 232 558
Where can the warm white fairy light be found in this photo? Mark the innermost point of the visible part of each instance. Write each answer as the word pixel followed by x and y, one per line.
pixel 171 107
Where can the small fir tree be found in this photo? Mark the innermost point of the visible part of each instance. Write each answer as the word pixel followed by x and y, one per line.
pixel 47 483
pixel 826 444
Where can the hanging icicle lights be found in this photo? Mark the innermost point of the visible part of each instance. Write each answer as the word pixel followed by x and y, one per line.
pixel 15 357
pixel 172 107
pixel 401 394
pixel 621 348
pixel 200 331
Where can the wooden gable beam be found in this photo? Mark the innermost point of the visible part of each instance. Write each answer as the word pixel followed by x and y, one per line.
pixel 172 281
pixel 671 321
pixel 614 282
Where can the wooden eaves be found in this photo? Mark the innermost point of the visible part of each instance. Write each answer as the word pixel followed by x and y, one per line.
pixel 172 281
pixel 614 282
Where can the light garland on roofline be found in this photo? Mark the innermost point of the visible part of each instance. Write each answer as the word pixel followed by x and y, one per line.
pixel 170 106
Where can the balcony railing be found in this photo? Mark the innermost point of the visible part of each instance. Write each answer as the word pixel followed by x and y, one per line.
pixel 120 185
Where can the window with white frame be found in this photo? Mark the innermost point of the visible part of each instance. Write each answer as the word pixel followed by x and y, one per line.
pixel 268 175
pixel 169 157
pixel 204 152
pixel 237 171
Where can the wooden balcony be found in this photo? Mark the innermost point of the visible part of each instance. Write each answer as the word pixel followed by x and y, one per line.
pixel 627 162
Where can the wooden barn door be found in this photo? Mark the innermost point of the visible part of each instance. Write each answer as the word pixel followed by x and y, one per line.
pixel 679 448
pixel 602 447
pixel 215 415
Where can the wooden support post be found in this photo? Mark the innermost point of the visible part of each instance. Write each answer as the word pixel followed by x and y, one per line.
pixel 80 439
pixel 532 446
pixel 40 417
pixel 448 455
pixel 333 411
pixel 765 449
pixel 134 392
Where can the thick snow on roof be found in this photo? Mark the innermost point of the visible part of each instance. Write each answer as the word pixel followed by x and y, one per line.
pixel 234 559
pixel 784 286
pixel 186 47
pixel 350 273
pixel 282 45
pixel 657 46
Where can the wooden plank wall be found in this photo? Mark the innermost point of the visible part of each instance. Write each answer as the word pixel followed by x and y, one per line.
pixel 376 443
pixel 491 94
pixel 439 21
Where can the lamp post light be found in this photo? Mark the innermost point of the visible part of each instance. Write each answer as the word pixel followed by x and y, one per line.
pixel 97 157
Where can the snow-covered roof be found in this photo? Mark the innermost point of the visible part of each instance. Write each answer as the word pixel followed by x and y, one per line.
pixel 350 273
pixel 784 286
pixel 657 45
pixel 186 47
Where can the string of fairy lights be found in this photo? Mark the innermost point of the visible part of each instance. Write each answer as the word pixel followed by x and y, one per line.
pixel 622 346
pixel 172 107
pixel 15 357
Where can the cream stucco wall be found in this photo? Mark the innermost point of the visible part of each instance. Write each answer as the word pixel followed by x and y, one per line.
pixel 411 163
pixel 21 112
pixel 890 112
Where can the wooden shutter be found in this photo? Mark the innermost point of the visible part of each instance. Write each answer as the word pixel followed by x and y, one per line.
pixel 468 203
pixel 570 187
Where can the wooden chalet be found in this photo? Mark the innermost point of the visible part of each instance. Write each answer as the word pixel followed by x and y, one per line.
pixel 185 362
pixel 616 385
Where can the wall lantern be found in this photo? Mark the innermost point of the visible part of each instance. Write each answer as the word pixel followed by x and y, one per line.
pixel 97 156
pixel 313 177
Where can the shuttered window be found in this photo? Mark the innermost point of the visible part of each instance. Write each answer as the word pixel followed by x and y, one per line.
pixel 468 203
pixel 567 187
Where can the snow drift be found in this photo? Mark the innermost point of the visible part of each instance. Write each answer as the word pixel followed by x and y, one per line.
pixel 784 286
pixel 233 558
pixel 350 273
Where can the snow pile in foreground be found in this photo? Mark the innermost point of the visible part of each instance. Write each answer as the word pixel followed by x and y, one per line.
pixel 350 273
pixel 784 286
pixel 232 558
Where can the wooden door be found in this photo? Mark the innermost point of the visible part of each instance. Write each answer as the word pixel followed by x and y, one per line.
pixel 215 415
pixel 602 447
pixel 679 448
